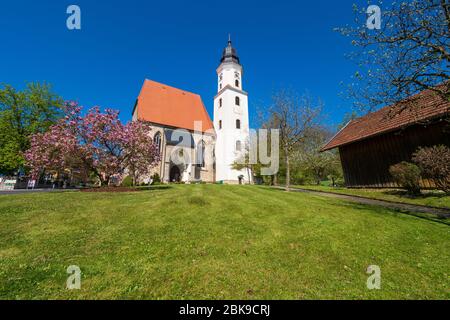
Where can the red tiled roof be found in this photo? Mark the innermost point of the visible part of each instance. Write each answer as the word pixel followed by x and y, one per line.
pixel 169 106
pixel 424 106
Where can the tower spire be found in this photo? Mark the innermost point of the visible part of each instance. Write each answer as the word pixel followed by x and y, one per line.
pixel 229 53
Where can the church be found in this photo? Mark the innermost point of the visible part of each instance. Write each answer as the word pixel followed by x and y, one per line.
pixel 193 147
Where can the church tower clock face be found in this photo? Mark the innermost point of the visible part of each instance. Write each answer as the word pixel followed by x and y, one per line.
pixel 230 117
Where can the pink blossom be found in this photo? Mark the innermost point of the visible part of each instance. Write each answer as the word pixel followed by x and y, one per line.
pixel 98 142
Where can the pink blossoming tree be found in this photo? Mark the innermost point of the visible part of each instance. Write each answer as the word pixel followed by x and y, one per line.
pixel 97 142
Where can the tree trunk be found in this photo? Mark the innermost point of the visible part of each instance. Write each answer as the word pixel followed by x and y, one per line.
pixel 288 171
pixel 107 181
pixel 133 182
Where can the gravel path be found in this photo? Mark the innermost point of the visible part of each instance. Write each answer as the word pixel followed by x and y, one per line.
pixel 441 212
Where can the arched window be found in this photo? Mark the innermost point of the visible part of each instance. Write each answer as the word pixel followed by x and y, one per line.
pixel 220 124
pixel 157 141
pixel 220 102
pixel 238 145
pixel 236 83
pixel 238 101
pixel 238 124
pixel 201 154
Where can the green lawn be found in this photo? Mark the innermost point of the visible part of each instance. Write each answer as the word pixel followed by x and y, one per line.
pixel 428 198
pixel 216 241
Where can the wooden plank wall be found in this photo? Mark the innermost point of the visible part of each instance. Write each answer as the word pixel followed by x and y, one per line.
pixel 366 163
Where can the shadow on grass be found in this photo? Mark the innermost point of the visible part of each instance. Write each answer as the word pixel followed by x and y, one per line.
pixel 382 210
pixel 127 189
pixel 198 201
pixel 404 194
pixel 375 208
pixel 157 187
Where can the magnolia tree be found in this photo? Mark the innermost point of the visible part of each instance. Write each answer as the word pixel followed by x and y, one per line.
pixel 141 154
pixel 97 142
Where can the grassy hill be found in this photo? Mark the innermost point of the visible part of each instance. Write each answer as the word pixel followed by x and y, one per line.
pixel 213 241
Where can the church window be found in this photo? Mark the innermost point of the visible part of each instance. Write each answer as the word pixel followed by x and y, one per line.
pixel 238 124
pixel 220 124
pixel 201 154
pixel 238 101
pixel 157 141
pixel 237 83
pixel 220 102
pixel 238 145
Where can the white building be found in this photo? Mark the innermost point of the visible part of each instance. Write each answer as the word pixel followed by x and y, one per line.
pixel 230 117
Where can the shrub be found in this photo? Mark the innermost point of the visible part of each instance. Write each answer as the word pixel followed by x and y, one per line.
pixel 127 182
pixel 407 175
pixel 156 179
pixel 298 178
pixel 435 164
pixel 336 181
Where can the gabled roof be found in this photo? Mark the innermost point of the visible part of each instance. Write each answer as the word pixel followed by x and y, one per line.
pixel 168 106
pixel 423 106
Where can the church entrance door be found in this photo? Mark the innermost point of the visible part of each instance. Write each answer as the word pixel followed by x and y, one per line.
pixel 175 174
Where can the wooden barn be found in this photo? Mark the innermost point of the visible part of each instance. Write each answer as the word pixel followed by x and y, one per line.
pixel 369 145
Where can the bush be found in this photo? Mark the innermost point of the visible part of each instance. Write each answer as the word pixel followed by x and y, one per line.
pixel 336 181
pixel 127 182
pixel 298 178
pixel 407 175
pixel 156 179
pixel 435 164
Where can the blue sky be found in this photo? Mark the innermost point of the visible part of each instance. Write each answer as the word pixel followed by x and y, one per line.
pixel 280 43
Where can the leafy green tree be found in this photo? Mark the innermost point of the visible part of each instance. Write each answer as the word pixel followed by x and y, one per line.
pixel 22 114
pixel 335 172
pixel 316 163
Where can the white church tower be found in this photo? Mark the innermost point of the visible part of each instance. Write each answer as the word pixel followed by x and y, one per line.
pixel 230 117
